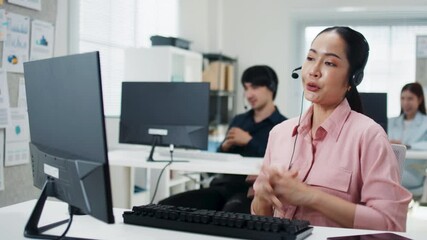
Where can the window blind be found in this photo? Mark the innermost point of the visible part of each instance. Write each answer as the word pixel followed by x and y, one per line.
pixel 392 59
pixel 110 27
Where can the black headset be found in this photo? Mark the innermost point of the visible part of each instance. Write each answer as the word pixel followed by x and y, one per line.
pixel 272 77
pixel 294 74
pixel 358 74
pixel 354 80
pixel 357 77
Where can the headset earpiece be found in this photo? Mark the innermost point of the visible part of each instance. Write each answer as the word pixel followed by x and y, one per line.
pixel 358 74
pixel 273 86
pixel 272 78
pixel 357 77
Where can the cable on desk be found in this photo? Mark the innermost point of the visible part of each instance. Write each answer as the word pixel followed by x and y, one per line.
pixel 68 227
pixel 171 148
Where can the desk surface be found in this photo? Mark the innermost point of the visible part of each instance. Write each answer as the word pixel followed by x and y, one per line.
pixel 415 154
pixel 13 219
pixel 136 157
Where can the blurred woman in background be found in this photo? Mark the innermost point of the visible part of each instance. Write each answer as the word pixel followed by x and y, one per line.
pixel 410 128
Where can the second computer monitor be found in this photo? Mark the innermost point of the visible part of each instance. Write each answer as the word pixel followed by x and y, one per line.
pixel 375 107
pixel 167 112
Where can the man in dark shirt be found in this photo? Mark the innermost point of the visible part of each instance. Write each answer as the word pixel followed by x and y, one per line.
pixel 247 135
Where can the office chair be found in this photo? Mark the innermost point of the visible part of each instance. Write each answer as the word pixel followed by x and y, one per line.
pixel 423 201
pixel 400 152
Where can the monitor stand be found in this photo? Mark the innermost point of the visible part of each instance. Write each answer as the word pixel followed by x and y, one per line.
pixel 157 139
pixel 31 228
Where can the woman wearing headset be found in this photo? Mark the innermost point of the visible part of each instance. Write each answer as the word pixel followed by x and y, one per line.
pixel 334 166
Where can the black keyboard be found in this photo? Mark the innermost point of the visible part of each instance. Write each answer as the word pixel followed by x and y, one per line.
pixel 218 223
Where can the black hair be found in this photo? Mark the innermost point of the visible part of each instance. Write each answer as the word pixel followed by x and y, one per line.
pixel 261 75
pixel 357 50
pixel 416 89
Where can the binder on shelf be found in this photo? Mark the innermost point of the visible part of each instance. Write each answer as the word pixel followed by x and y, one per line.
pixel 229 84
pixel 220 75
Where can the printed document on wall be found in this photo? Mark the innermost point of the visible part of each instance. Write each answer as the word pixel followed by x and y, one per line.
pixel 33 4
pixel 3 31
pixel 16 45
pixel 4 101
pixel 3 24
pixel 1 159
pixel 22 95
pixel 42 35
pixel 17 138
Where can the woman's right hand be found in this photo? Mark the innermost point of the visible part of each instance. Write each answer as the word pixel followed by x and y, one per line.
pixel 264 198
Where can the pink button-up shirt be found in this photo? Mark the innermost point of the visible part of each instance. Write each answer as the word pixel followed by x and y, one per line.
pixel 349 157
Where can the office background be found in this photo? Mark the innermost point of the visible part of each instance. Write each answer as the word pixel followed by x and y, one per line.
pixel 18 179
pixel 271 32
pixel 256 32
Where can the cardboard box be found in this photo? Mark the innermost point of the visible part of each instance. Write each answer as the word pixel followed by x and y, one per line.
pixel 215 74
pixel 229 82
pixel 220 75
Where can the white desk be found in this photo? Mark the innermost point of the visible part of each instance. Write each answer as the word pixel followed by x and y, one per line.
pixel 422 156
pixel 13 219
pixel 134 156
pixel 414 154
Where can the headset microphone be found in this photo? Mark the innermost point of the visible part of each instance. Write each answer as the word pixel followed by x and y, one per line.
pixel 294 74
pixel 244 103
pixel 296 135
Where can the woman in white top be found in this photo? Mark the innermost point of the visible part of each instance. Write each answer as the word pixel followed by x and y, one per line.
pixel 410 128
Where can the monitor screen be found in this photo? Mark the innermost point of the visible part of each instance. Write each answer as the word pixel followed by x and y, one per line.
pixel 375 106
pixel 68 146
pixel 173 112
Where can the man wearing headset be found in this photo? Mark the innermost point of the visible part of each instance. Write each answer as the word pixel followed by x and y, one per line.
pixel 247 135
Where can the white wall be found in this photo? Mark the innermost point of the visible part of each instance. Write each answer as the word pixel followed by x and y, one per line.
pixel 266 32
pixel 269 32
pixel 61 29
pixel 193 23
pixel 258 32
pixel 202 22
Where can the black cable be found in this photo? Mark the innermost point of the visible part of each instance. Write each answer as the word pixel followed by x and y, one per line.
pixel 68 226
pixel 160 175
pixel 296 137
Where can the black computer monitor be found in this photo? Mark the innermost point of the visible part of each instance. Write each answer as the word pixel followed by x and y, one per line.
pixel 68 146
pixel 375 106
pixel 164 113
